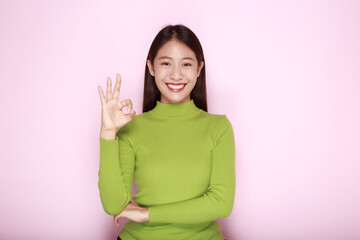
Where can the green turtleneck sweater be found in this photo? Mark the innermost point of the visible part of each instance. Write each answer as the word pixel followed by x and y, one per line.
pixel 183 162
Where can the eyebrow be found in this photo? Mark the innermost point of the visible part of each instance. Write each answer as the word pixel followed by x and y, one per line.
pixel 185 58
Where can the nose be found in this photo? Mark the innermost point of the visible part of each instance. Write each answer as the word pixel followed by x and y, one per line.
pixel 176 73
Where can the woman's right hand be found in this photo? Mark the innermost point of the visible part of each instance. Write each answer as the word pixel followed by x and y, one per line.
pixel 112 116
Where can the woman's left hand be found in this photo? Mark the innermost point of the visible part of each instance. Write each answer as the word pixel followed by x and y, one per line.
pixel 133 212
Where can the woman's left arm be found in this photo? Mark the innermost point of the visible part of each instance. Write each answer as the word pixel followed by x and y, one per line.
pixel 219 200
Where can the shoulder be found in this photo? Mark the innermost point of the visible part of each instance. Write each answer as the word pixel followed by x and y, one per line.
pixel 127 130
pixel 132 127
pixel 220 128
pixel 220 120
pixel 218 125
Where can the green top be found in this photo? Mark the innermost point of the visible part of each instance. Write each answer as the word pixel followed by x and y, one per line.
pixel 183 161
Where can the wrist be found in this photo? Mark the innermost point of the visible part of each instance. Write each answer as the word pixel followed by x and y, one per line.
pixel 107 134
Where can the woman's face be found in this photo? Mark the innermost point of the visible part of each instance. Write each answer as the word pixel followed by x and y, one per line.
pixel 176 70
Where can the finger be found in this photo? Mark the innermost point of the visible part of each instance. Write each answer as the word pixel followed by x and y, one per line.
pixel 132 113
pixel 108 89
pixel 115 221
pixel 126 103
pixel 121 105
pixel 117 87
pixel 102 96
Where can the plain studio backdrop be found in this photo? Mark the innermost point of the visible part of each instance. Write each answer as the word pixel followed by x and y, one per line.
pixel 286 74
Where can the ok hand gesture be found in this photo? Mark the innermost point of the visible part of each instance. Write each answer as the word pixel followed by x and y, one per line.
pixel 113 118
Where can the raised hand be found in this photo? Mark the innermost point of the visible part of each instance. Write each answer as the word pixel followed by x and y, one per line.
pixel 112 116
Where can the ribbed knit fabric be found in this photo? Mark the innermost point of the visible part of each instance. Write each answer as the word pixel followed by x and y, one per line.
pixel 183 162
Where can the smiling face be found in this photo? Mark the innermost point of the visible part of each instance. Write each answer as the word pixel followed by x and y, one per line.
pixel 176 70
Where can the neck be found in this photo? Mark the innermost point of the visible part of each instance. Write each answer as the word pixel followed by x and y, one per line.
pixel 181 109
pixel 165 100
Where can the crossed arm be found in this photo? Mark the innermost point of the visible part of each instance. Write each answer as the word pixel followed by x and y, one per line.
pixel 116 170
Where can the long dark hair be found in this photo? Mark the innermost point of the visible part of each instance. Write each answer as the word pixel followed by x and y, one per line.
pixel 186 36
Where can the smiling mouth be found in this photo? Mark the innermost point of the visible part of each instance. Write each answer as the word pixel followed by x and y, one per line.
pixel 176 87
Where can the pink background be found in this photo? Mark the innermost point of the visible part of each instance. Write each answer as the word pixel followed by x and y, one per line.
pixel 286 73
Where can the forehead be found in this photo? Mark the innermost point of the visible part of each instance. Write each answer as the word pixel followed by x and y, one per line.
pixel 175 49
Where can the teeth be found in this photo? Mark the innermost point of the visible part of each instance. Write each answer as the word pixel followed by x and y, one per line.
pixel 176 86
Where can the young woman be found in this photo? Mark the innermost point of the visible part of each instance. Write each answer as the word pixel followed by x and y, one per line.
pixel 181 156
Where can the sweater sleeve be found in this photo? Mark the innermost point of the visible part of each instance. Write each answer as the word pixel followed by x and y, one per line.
pixel 116 171
pixel 218 201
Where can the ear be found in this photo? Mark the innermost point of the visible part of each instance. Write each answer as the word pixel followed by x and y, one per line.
pixel 200 67
pixel 151 69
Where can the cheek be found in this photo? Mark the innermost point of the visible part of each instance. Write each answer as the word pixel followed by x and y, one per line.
pixel 160 72
pixel 191 74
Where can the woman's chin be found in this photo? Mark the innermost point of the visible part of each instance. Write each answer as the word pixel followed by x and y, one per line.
pixel 174 99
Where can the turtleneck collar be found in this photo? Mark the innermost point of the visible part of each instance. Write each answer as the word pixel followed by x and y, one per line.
pixel 182 109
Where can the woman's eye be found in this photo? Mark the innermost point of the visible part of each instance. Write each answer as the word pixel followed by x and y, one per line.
pixel 187 64
pixel 165 63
